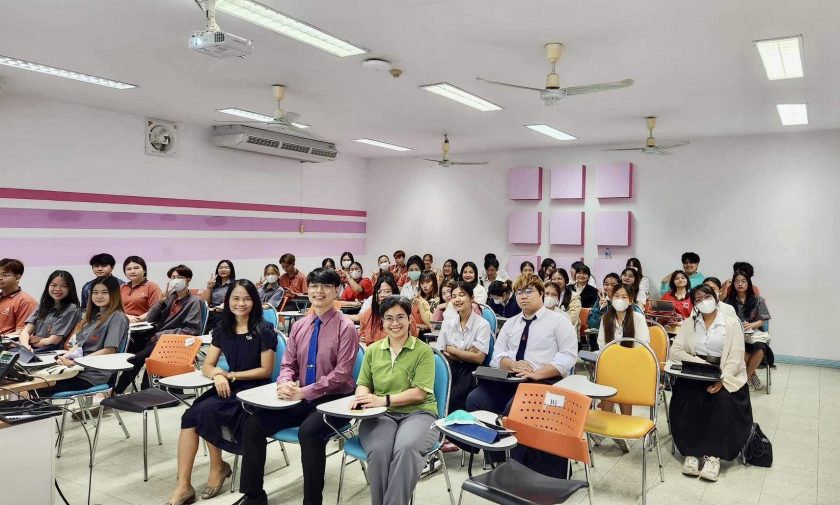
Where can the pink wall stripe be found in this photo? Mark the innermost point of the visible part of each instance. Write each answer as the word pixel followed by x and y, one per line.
pixel 98 220
pixel 65 252
pixel 68 196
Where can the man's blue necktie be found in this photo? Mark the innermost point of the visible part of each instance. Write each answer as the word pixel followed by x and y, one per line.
pixel 312 357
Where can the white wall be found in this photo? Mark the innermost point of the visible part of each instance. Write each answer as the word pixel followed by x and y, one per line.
pixel 767 199
pixel 54 145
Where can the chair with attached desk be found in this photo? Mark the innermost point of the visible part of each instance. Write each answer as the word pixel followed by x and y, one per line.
pixel 353 446
pixel 550 419
pixel 634 373
pixel 660 345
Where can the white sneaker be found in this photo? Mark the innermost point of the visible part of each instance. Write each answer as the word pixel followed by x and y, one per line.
pixel 691 466
pixel 711 468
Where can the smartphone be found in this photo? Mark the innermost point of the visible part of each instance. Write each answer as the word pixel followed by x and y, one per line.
pixel 357 408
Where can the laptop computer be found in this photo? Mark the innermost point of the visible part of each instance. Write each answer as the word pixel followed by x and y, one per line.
pixel 24 411
pixel 662 306
pixel 701 370
pixel 27 357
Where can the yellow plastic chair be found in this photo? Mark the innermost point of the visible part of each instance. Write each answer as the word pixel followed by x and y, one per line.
pixel 634 372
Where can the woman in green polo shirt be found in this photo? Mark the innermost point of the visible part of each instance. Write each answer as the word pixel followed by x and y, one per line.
pixel 398 373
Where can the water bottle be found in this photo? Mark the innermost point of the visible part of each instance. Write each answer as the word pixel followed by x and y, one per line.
pixel 607 253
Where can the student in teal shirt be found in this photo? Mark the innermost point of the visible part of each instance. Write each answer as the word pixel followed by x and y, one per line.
pixel 691 264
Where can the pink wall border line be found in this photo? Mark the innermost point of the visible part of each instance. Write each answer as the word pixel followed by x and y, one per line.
pixel 70 196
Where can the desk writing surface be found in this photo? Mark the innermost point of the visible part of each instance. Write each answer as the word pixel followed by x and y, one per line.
pixel 18 387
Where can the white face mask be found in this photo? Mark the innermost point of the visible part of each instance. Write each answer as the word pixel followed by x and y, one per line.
pixel 498 301
pixel 620 304
pixel 355 274
pixel 551 301
pixel 384 266
pixel 177 284
pixel 707 306
pixel 270 279
pixel 346 264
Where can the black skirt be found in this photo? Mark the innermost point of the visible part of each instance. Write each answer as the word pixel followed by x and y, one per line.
pixel 218 420
pixel 463 381
pixel 761 346
pixel 705 424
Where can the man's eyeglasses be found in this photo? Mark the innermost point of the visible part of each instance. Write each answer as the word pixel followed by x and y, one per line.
pixel 525 292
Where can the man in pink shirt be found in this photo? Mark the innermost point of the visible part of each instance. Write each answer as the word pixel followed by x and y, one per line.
pixel 316 368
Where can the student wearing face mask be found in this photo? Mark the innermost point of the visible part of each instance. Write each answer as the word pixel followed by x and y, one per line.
pixel 569 301
pixel 343 270
pixel 358 288
pixel 715 284
pixel 383 265
pixel 710 421
pixel 271 294
pixel 502 300
pixel 411 287
pixel 553 301
pixel 596 313
pixel 177 312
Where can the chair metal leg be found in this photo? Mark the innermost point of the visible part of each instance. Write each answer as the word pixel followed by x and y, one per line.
pixel 145 446
pixel 460 496
pixel 157 426
pixel 122 424
pixel 96 437
pixel 589 482
pixel 589 444
pixel 644 471
pixel 667 413
pixel 341 477
pixel 235 472
pixel 768 379
pixel 364 472
pixel 659 457
pixel 283 450
pixel 61 433
pixel 463 458
pixel 446 475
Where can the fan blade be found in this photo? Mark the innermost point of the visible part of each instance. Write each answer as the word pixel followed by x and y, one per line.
pixel 508 85
pixel 671 145
pixel 625 149
pixel 470 162
pixel 428 159
pixel 595 88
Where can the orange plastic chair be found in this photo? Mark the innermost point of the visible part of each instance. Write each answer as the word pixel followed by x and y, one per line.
pixel 172 356
pixel 584 321
pixel 550 419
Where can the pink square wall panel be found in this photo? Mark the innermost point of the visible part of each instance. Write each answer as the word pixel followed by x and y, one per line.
pixel 525 183
pixel 565 262
pixel 602 266
pixel 613 228
pixel 516 260
pixel 565 228
pixel 568 182
pixel 614 181
pixel 525 227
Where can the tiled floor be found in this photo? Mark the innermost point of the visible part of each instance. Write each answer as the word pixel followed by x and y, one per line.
pixel 801 417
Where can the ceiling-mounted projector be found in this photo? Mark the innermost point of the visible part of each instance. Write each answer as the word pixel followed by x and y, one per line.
pixel 220 44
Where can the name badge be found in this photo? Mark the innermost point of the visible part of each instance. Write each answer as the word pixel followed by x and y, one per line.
pixel 554 400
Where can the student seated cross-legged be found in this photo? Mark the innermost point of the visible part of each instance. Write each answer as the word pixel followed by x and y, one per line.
pixel 16 306
pixel 328 336
pixel 103 330
pixel 710 421
pixel 398 372
pixel 56 316
pixel 177 311
pixel 248 344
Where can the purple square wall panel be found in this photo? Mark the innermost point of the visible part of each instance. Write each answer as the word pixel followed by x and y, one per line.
pixel 612 228
pixel 614 181
pixel 602 266
pixel 525 227
pixel 565 227
pixel 568 182
pixel 525 183
pixel 516 260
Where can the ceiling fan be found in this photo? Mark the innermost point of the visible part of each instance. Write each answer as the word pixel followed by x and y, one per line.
pixel 286 120
pixel 553 93
pixel 650 145
pixel 446 162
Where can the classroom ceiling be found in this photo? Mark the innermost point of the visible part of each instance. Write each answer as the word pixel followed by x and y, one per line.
pixel 693 63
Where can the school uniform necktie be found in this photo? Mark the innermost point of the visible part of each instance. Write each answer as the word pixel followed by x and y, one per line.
pixel 312 357
pixel 523 342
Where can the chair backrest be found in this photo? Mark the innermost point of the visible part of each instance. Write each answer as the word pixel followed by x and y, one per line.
pixel 633 371
pixel 550 419
pixel 205 316
pixel 173 355
pixel 278 356
pixel 584 320
pixel 490 316
pixel 659 343
pixel 490 347
pixel 270 316
pixel 357 366
pixel 443 380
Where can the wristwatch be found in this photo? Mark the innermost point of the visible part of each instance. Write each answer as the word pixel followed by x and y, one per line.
pixel 387 400
pixel 233 376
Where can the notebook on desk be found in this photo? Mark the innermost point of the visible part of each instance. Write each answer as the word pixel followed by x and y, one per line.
pixel 493 373
pixel 661 306
pixel 701 370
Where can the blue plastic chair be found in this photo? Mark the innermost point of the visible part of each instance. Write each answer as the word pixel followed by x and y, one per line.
pixel 270 316
pixel 205 316
pixel 443 378
pixel 490 316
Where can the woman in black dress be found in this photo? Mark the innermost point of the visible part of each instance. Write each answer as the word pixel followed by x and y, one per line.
pixel 249 346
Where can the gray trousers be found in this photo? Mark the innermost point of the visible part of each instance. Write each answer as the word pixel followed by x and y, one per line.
pixel 396 445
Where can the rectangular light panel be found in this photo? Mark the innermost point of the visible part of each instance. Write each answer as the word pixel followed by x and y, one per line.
pixel 782 58
pixel 255 116
pixel 60 72
pixel 457 94
pixel 550 131
pixel 384 145
pixel 271 19
pixel 793 114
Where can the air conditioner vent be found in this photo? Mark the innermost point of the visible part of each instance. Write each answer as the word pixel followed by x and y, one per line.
pixel 294 147
pixel 275 142
pixel 327 154
pixel 262 142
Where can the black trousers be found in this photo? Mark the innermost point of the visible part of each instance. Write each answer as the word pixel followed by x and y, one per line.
pixel 313 436
pixel 138 360
pixel 72 384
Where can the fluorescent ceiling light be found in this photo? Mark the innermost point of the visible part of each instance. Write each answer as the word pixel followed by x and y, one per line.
pixel 782 58
pixel 267 17
pixel 457 94
pixel 60 72
pixel 256 117
pixel 551 132
pixel 793 113
pixel 382 144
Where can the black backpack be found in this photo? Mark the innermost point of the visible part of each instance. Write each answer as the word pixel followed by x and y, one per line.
pixel 758 450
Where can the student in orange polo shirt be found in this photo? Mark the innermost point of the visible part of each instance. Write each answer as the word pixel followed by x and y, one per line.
pixel 15 305
pixel 293 280
pixel 139 293
pixel 399 269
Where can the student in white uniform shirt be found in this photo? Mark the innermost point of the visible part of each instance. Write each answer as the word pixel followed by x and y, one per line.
pixel 644 283
pixel 469 274
pixel 715 284
pixel 492 272
pixel 412 288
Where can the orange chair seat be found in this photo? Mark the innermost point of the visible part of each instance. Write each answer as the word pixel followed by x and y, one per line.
pixel 612 425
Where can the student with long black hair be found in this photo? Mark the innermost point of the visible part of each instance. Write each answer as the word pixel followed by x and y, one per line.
pixel 501 299
pixel 631 277
pixel 588 293
pixel 469 274
pixel 449 272
pixel 56 316
pixel 752 311
pixel 680 287
pixel 214 295
pixel 568 300
pixel 644 282
pixel 370 323
pixel 411 285
pixel 547 267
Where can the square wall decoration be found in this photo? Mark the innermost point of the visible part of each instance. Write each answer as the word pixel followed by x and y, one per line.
pixel 565 227
pixel 614 181
pixel 525 227
pixel 525 183
pixel 613 228
pixel 602 266
pixel 568 182
pixel 515 261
